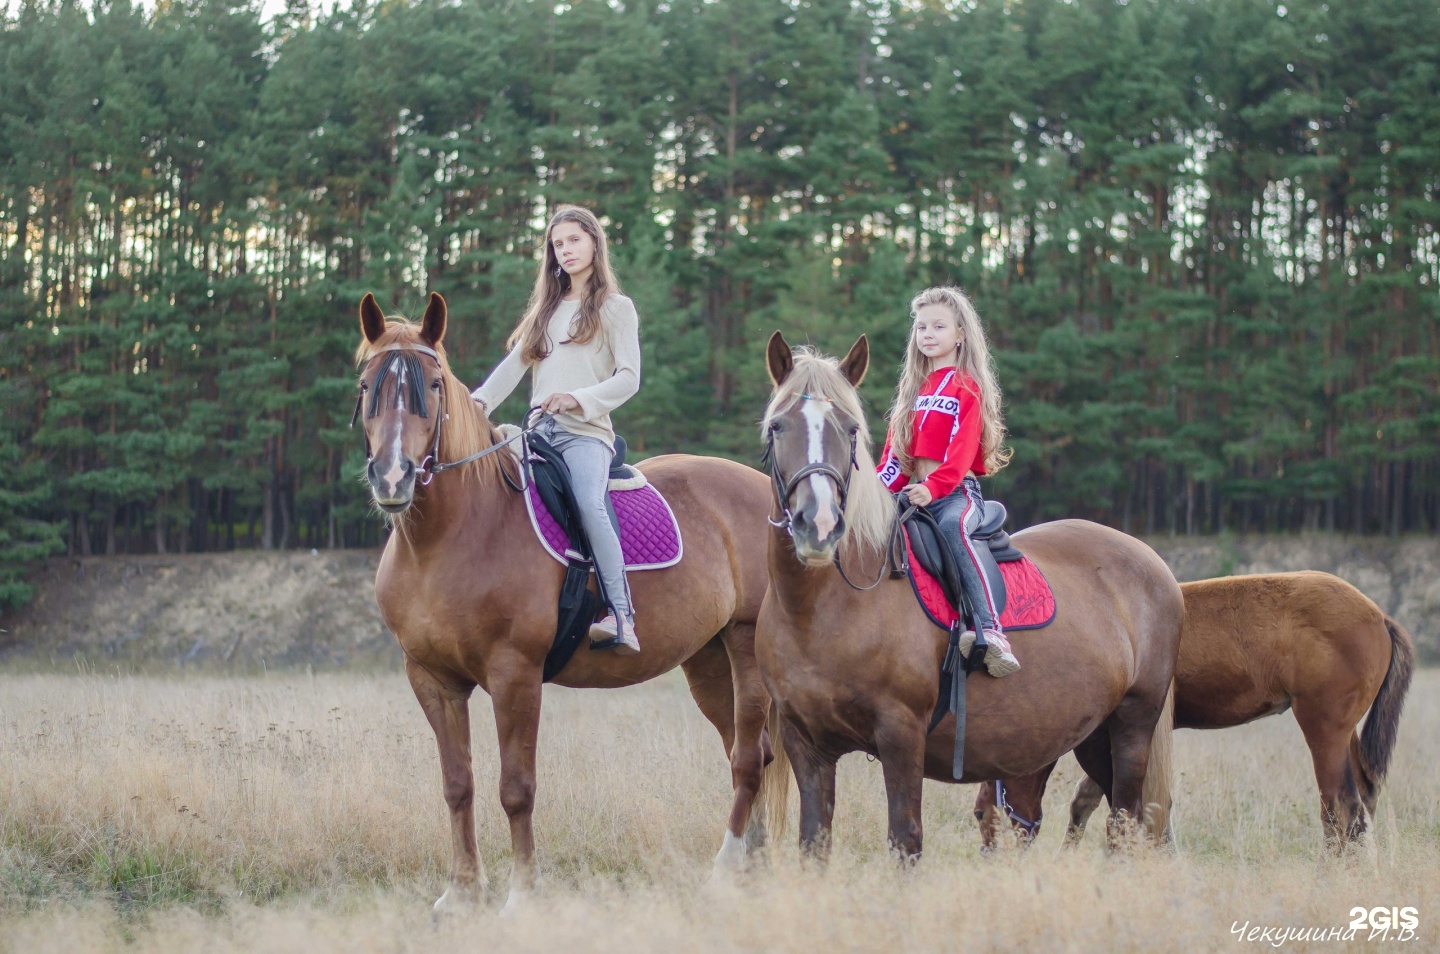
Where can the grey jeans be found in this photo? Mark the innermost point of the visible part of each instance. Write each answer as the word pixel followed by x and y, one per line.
pixel 958 513
pixel 589 461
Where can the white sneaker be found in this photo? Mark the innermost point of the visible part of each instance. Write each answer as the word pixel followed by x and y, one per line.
pixel 608 629
pixel 999 657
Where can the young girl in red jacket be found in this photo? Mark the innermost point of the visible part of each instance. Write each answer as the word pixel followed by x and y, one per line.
pixel 946 430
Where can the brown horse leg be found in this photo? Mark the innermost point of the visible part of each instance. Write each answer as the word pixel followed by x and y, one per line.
pixel 900 745
pixel 1087 798
pixel 815 777
pixel 1328 737
pixel 718 694
pixel 516 700
pixel 447 708
pixel 1024 796
pixel 1131 730
pixel 747 755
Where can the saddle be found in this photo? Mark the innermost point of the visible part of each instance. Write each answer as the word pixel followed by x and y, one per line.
pixel 578 608
pixel 933 553
pixel 940 561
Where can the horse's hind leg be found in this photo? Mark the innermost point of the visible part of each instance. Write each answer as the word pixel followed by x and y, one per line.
pixel 1087 798
pixel 447 707
pixel 1131 730
pixel 735 702
pixel 747 753
pixel 1328 736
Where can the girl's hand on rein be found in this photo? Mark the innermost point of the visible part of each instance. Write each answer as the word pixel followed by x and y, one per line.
pixel 919 494
pixel 559 403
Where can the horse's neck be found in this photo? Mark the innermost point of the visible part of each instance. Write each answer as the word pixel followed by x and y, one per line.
pixel 453 507
pixel 799 588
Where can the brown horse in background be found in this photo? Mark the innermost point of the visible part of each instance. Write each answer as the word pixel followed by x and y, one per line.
pixel 1254 646
pixel 470 594
pixel 854 670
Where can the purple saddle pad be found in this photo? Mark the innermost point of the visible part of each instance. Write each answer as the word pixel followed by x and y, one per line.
pixel 649 534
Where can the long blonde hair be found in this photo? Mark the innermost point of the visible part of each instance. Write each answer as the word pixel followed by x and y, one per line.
pixel 553 282
pixel 975 361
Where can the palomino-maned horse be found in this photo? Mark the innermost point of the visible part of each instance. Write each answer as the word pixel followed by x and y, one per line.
pixel 854 670
pixel 1254 646
pixel 471 595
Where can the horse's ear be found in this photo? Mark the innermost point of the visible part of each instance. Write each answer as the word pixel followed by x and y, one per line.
pixel 779 359
pixel 432 329
pixel 857 362
pixel 372 319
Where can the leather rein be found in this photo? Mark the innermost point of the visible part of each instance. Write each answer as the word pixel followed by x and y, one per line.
pixel 431 465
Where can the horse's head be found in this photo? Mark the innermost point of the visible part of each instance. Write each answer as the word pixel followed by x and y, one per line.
pixel 814 431
pixel 402 387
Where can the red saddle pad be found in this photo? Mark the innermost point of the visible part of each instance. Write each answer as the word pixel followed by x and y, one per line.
pixel 1029 604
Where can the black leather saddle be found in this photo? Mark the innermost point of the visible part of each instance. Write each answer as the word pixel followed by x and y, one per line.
pixel 995 548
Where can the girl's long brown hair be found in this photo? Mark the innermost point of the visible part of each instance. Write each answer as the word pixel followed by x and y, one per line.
pixel 975 361
pixel 550 288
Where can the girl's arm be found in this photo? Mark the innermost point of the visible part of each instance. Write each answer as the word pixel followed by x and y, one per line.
pixel 501 382
pixel 624 331
pixel 960 454
pixel 889 467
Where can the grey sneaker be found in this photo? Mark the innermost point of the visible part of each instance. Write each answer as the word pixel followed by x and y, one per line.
pixel 607 629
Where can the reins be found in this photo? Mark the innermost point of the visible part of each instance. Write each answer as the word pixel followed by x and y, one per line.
pixel 431 465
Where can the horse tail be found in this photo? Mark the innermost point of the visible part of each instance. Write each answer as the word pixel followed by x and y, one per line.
pixel 775 783
pixel 1160 774
pixel 1377 738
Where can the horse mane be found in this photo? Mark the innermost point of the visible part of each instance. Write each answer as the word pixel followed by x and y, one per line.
pixel 465 428
pixel 869 509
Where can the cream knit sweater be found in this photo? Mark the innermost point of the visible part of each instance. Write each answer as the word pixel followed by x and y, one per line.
pixel 601 375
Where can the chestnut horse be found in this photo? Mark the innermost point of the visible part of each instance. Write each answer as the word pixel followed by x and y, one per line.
pixel 1254 646
pixel 859 670
pixel 470 594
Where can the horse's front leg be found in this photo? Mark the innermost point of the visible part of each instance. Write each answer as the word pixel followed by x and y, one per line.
pixel 815 776
pixel 516 698
pixel 447 707
pixel 900 745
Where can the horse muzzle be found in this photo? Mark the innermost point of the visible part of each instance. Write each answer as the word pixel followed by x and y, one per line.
pixel 815 540
pixel 394 488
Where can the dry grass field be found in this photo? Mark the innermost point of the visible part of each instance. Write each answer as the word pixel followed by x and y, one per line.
pixel 294 813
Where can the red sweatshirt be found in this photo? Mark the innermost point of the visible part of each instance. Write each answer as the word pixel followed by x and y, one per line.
pixel 946 428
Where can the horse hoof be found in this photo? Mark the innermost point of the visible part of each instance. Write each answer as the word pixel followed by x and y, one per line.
pixel 457 899
pixel 513 904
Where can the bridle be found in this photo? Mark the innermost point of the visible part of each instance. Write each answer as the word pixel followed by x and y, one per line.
pixel 401 357
pixel 784 489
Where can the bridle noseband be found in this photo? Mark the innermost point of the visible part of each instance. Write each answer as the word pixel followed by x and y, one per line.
pixel 430 466
pixel 784 489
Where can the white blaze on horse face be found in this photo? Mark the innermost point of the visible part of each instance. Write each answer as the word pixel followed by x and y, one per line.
pixel 396 473
pixel 820 485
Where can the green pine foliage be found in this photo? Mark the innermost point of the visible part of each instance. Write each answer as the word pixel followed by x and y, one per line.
pixel 1203 234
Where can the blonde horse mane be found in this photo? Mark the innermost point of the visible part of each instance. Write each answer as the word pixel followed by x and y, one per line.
pixel 869 510
pixel 464 429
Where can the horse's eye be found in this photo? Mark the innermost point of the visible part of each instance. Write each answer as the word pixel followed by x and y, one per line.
pixel 435 386
pixel 364 387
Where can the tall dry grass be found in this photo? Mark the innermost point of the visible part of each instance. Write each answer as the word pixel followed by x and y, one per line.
pixel 294 813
